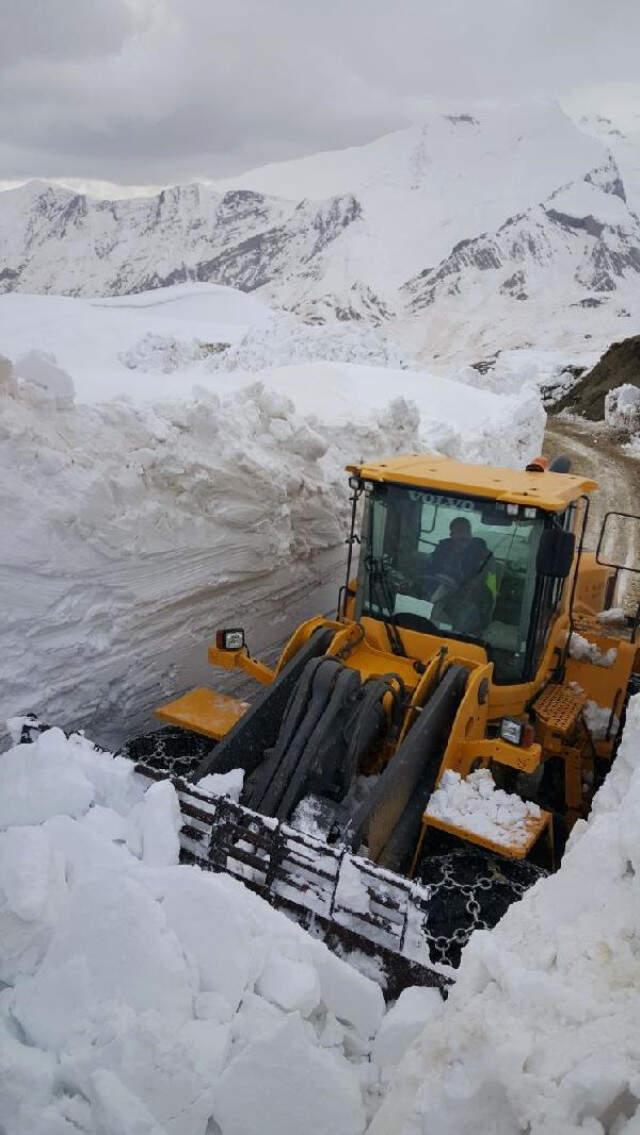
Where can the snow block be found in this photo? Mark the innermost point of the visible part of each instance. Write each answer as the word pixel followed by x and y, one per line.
pixel 404 1022
pixel 117 1111
pixel 111 946
pixel 38 781
pixel 216 930
pixel 284 1085
pixel 353 998
pixel 32 890
pixel 153 826
pixel 290 984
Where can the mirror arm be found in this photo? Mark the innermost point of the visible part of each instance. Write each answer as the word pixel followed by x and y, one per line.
pixel 576 572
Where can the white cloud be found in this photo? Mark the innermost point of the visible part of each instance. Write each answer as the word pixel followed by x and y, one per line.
pixel 161 90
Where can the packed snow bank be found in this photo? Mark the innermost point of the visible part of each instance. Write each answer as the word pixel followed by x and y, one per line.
pixel 540 1031
pixel 158 344
pixel 90 337
pixel 285 340
pixel 552 372
pixel 133 531
pixel 146 998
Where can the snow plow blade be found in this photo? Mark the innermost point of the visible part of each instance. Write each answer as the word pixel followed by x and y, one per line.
pixel 359 910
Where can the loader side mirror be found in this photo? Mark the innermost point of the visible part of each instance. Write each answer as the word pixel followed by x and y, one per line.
pixel 619 537
pixel 555 553
pixel 232 638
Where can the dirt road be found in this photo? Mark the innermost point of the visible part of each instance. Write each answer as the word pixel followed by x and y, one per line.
pixel 596 451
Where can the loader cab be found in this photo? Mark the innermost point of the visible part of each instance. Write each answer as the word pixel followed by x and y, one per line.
pixel 456 565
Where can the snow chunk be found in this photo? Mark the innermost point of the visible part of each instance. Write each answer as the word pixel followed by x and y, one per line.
pixel 290 984
pixel 117 1111
pixel 351 892
pixel 15 725
pixel 283 1085
pixel 584 651
pixel 255 1019
pixel 223 783
pixel 32 890
pixel 598 719
pixel 39 780
pixel 309 816
pixel 39 369
pixel 613 615
pixel 404 1022
pixel 622 407
pixel 171 1071
pixel 153 826
pixel 26 1083
pixel 474 803
pixel 217 930
pixel 351 997
pixel 106 823
pixel 111 947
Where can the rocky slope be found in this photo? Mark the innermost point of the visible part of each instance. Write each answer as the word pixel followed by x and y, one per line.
pixel 566 269
pixel 618 366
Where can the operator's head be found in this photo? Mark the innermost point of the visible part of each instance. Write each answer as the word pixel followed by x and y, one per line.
pixel 460 528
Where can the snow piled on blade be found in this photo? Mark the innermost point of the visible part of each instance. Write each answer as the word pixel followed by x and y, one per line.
pixel 475 804
pixel 134 527
pixel 146 997
pixel 540 1031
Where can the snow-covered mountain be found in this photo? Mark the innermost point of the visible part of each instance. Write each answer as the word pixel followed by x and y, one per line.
pixel 441 232
pixel 570 265
pixel 625 147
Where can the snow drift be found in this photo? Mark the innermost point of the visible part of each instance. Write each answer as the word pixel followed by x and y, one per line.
pixel 540 1031
pixel 134 528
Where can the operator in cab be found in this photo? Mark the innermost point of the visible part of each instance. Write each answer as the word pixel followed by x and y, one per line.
pixel 459 572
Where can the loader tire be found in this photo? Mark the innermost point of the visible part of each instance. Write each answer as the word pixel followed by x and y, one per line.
pixel 172 750
pixel 470 890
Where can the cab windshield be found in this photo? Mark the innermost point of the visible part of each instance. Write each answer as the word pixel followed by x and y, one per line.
pixel 459 567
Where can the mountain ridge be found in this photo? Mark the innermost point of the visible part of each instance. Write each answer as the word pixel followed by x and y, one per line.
pixel 496 209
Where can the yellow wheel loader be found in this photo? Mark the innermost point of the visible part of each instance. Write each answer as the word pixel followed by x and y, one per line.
pixel 412 764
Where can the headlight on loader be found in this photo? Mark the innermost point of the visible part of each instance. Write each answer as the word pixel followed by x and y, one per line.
pixel 232 638
pixel 511 730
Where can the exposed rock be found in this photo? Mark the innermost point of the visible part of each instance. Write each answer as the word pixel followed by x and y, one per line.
pixel 619 365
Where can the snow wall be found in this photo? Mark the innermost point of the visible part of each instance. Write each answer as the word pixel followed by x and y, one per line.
pixel 133 529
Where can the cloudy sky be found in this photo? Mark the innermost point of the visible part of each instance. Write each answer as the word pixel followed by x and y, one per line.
pixel 154 91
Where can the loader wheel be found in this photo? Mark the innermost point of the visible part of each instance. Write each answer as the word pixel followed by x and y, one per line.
pixel 470 890
pixel 174 751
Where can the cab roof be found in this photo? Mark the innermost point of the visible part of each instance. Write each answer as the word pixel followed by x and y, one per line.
pixel 550 491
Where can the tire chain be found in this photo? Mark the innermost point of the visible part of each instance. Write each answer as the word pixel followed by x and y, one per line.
pixel 469 891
